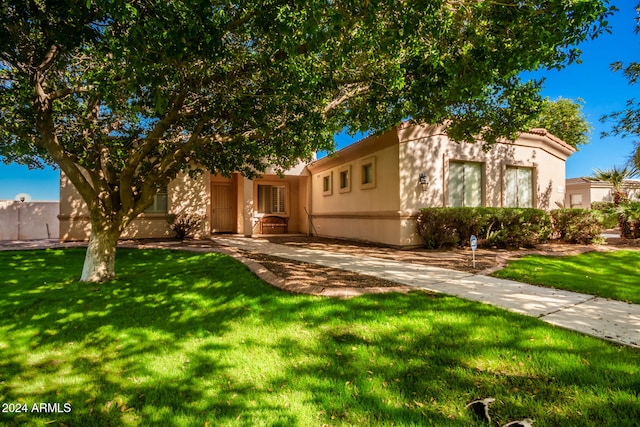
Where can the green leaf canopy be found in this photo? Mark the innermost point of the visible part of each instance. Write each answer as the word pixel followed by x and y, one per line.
pixel 122 95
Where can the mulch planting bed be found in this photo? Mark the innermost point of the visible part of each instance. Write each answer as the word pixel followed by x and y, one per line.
pixel 487 260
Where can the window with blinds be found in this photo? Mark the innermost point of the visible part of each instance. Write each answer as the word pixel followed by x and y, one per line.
pixel 271 199
pixel 519 187
pixel 160 202
pixel 464 187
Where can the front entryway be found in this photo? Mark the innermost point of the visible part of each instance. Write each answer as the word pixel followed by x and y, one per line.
pixel 221 208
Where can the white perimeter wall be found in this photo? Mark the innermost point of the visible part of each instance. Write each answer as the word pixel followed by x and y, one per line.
pixel 29 220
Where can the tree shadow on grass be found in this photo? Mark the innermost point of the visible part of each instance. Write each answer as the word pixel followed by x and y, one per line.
pixel 144 346
pixel 185 339
pixel 422 370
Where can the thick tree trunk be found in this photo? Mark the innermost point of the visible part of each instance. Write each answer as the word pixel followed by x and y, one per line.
pixel 100 260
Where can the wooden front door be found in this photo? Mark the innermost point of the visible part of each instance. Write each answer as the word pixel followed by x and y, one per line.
pixel 221 208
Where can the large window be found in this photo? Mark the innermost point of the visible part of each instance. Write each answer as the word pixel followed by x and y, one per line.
pixel 271 199
pixel 160 202
pixel 465 184
pixel 519 191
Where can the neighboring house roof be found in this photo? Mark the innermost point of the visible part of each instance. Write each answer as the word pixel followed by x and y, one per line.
pixel 594 183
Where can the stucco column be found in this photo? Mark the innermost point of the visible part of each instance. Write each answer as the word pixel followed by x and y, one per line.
pixel 247 204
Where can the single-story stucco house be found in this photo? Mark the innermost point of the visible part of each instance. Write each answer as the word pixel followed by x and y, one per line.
pixel 582 192
pixel 371 190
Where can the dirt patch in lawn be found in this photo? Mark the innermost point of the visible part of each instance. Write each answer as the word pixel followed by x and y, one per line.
pixel 298 273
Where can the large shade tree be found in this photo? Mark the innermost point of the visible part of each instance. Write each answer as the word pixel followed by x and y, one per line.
pixel 122 96
pixel 565 119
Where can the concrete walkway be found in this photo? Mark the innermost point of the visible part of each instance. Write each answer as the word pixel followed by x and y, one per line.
pixel 607 319
pixel 611 320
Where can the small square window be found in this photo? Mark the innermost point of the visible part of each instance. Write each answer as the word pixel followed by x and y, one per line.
pixel 345 179
pixel 368 173
pixel 576 200
pixel 327 184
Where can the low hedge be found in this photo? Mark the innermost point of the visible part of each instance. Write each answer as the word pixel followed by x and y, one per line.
pixel 577 225
pixel 501 227
pixel 511 227
pixel 603 206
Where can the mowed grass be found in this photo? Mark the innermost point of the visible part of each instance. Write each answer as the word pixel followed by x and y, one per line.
pixel 614 275
pixel 183 339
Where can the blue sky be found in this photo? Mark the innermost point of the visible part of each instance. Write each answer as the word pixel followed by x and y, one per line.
pixel 602 90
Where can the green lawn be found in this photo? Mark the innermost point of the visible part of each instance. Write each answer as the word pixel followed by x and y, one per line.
pixel 185 339
pixel 614 275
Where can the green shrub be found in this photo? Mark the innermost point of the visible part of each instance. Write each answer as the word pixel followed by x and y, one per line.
pixel 577 225
pixel 629 213
pixel 521 227
pixel 184 225
pixel 609 213
pixel 435 228
pixel 501 227
pixel 603 206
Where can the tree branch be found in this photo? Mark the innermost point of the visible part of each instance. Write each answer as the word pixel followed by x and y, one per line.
pixel 345 94
pixel 61 93
pixel 49 58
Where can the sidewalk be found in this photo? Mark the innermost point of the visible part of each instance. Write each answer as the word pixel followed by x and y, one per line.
pixel 611 320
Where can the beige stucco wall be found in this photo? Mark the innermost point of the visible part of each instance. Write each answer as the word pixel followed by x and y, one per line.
pixel 595 191
pixel 365 212
pixel 599 194
pixel 185 195
pixel 428 150
pixel 28 220
pixel 387 212
pixel 580 190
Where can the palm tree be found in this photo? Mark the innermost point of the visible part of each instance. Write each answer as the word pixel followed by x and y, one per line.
pixel 635 157
pixel 617 176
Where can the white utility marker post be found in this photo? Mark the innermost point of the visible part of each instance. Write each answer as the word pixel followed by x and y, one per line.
pixel 474 245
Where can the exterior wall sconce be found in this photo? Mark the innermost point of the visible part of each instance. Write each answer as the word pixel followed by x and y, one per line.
pixel 422 180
